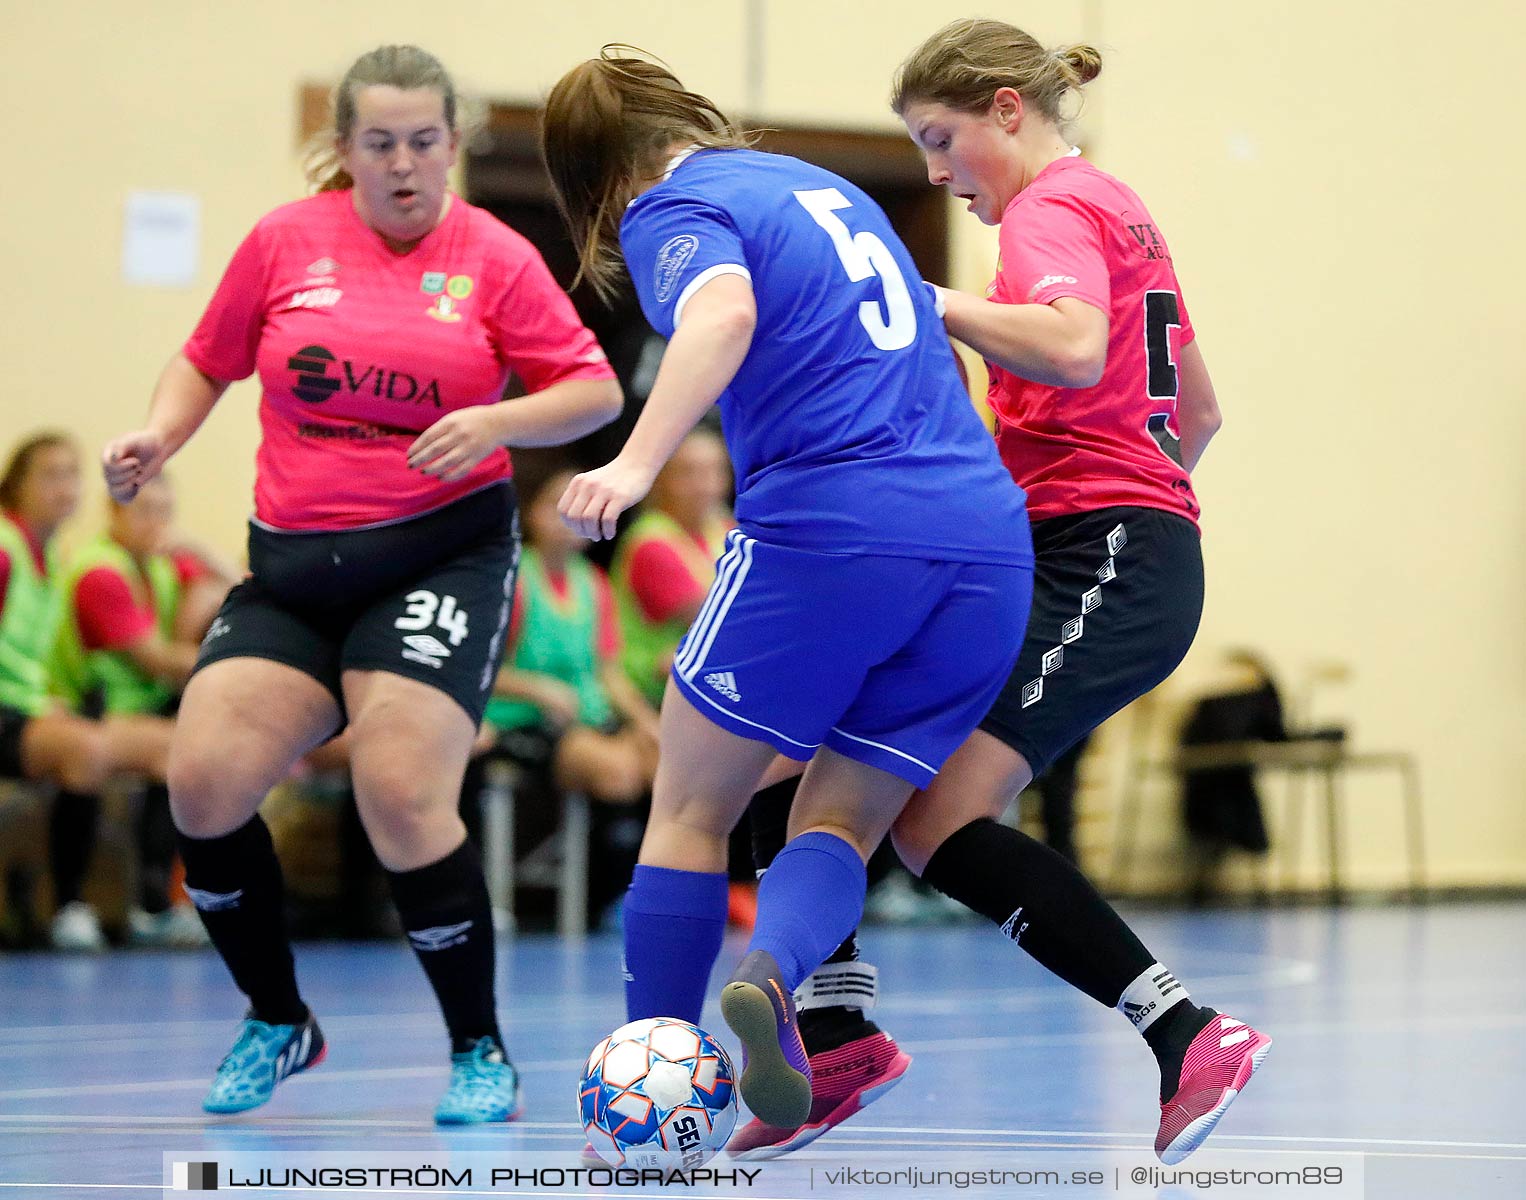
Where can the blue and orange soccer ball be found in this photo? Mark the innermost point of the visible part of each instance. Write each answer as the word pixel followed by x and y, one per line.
pixel 658 1093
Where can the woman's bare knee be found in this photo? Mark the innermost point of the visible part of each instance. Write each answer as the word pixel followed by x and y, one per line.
pixel 409 826
pixel 208 797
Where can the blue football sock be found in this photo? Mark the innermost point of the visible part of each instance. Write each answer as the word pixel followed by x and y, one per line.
pixel 674 922
pixel 810 899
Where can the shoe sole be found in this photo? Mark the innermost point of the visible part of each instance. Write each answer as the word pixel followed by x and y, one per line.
pixel 1196 1131
pixel 223 1110
pixel 778 1094
pixel 807 1134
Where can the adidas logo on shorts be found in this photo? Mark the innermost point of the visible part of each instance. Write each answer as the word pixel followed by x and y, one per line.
pixel 725 683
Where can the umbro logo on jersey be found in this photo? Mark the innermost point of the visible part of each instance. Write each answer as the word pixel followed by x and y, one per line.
pixel 439 937
pixel 322 266
pixel 216 630
pixel 423 648
pixel 214 901
pixel 725 683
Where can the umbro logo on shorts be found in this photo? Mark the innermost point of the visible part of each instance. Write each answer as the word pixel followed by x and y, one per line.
pixel 1012 929
pixel 725 683
pixel 214 901
pixel 423 648
pixel 439 937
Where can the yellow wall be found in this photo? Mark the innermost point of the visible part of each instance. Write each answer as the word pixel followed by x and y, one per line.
pixel 1337 182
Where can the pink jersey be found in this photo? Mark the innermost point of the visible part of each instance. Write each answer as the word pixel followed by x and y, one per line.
pixel 359 349
pixel 1077 231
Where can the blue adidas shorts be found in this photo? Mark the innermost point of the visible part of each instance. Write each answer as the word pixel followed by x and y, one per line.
pixel 888 661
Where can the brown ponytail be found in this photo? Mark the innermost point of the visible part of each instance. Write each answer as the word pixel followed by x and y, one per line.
pixel 606 124
pixel 964 64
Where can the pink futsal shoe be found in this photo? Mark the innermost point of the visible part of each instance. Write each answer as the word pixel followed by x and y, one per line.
pixel 843 1081
pixel 1217 1066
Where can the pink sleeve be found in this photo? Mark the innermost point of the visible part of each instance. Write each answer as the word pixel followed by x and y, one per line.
pixel 661 580
pixel 539 334
pixel 609 627
pixel 1188 334
pixel 227 338
pixel 5 579
pixel 106 612
pixel 1051 248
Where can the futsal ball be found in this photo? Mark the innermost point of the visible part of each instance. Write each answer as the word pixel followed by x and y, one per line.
pixel 658 1093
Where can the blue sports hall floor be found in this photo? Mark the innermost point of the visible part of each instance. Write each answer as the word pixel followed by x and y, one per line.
pixel 1400 1043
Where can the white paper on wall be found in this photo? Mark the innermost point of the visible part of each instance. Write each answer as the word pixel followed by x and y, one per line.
pixel 161 239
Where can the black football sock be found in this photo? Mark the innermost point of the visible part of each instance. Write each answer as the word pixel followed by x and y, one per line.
pixel 448 916
pixel 72 826
pixel 1047 906
pixel 156 849
pixel 823 1025
pixel 1043 903
pixel 235 883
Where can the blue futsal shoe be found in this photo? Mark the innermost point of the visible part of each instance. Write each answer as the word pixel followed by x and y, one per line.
pixel 776 1075
pixel 261 1057
pixel 484 1086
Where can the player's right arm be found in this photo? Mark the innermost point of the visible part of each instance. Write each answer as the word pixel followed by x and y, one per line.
pixel 702 358
pixel 222 348
pixel 182 399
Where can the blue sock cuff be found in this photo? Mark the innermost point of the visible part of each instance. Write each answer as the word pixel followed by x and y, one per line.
pixel 834 847
pixel 666 892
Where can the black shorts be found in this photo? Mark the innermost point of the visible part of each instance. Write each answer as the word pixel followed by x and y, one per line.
pixel 427 598
pixel 1117 596
pixel 12 722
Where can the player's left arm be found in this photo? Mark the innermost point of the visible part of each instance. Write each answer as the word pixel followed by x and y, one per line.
pixel 1062 344
pixel 572 389
pixel 704 355
pixel 1197 408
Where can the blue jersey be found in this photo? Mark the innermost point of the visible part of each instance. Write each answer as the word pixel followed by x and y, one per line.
pixel 847 423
